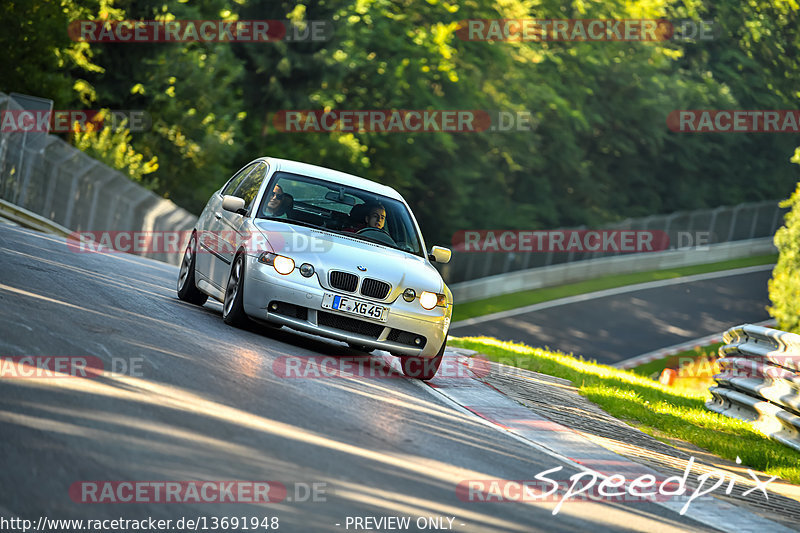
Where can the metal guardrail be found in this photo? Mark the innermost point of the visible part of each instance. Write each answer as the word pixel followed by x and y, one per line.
pixel 760 381
pixel 737 223
pixel 45 176
pixel 537 278
pixel 23 217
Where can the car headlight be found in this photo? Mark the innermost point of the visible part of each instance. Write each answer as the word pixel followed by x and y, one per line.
pixel 429 300
pixel 282 265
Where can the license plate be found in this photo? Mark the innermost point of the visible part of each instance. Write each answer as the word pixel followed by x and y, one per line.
pixel 354 307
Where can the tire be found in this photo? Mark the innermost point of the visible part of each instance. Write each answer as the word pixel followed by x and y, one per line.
pixel 232 308
pixel 421 368
pixel 187 289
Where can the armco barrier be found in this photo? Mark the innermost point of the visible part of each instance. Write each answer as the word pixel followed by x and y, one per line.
pixel 45 176
pixel 536 278
pixel 760 381
pixel 709 226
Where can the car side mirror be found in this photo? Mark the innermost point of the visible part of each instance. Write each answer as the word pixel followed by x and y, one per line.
pixel 234 204
pixel 440 254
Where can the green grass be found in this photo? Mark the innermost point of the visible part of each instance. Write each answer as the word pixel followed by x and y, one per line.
pixel 658 410
pixel 521 299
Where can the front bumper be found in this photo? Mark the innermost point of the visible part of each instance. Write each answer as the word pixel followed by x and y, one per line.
pixel 296 302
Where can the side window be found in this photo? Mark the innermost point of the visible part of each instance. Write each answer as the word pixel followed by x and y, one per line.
pixel 237 179
pixel 248 188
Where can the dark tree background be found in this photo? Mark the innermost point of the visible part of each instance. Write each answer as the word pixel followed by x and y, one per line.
pixel 600 150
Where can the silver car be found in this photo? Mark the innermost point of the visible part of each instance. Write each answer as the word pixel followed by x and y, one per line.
pixel 291 244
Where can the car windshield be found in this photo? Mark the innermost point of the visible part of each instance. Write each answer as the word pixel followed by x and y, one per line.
pixel 308 201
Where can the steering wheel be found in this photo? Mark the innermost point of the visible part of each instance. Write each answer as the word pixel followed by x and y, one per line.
pixel 380 235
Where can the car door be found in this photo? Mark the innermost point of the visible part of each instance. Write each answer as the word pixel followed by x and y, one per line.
pixel 210 228
pixel 232 225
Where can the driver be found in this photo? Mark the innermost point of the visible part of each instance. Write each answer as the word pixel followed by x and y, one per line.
pixel 376 216
pixel 278 203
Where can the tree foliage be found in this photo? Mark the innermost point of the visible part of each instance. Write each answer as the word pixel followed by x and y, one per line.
pixel 600 150
pixel 784 286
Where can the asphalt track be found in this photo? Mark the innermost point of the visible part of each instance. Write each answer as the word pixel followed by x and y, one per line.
pixel 203 402
pixel 613 328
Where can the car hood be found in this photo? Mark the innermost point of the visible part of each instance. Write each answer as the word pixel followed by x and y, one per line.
pixel 328 251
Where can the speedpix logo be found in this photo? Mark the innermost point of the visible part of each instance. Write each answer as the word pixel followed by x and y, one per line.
pixel 584 486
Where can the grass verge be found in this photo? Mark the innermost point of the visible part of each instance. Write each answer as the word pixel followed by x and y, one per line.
pixel 650 406
pixel 521 299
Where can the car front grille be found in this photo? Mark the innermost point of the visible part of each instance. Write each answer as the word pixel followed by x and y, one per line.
pixel 344 281
pixel 407 338
pixel 368 329
pixel 374 288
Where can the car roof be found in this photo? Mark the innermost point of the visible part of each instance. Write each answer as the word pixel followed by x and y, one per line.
pixel 329 174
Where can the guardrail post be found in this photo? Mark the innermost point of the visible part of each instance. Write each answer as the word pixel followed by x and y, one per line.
pixel 753 223
pixel 98 186
pixel 470 264
pixel 713 220
pixel 775 222
pixel 733 222
pixel 487 270
pixel 51 189
pixel 668 223
pixel 73 188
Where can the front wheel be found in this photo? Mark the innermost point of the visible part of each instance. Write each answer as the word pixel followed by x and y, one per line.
pixel 422 368
pixel 187 290
pixel 232 308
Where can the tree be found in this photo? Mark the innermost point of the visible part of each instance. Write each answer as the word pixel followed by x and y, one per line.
pixel 784 286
